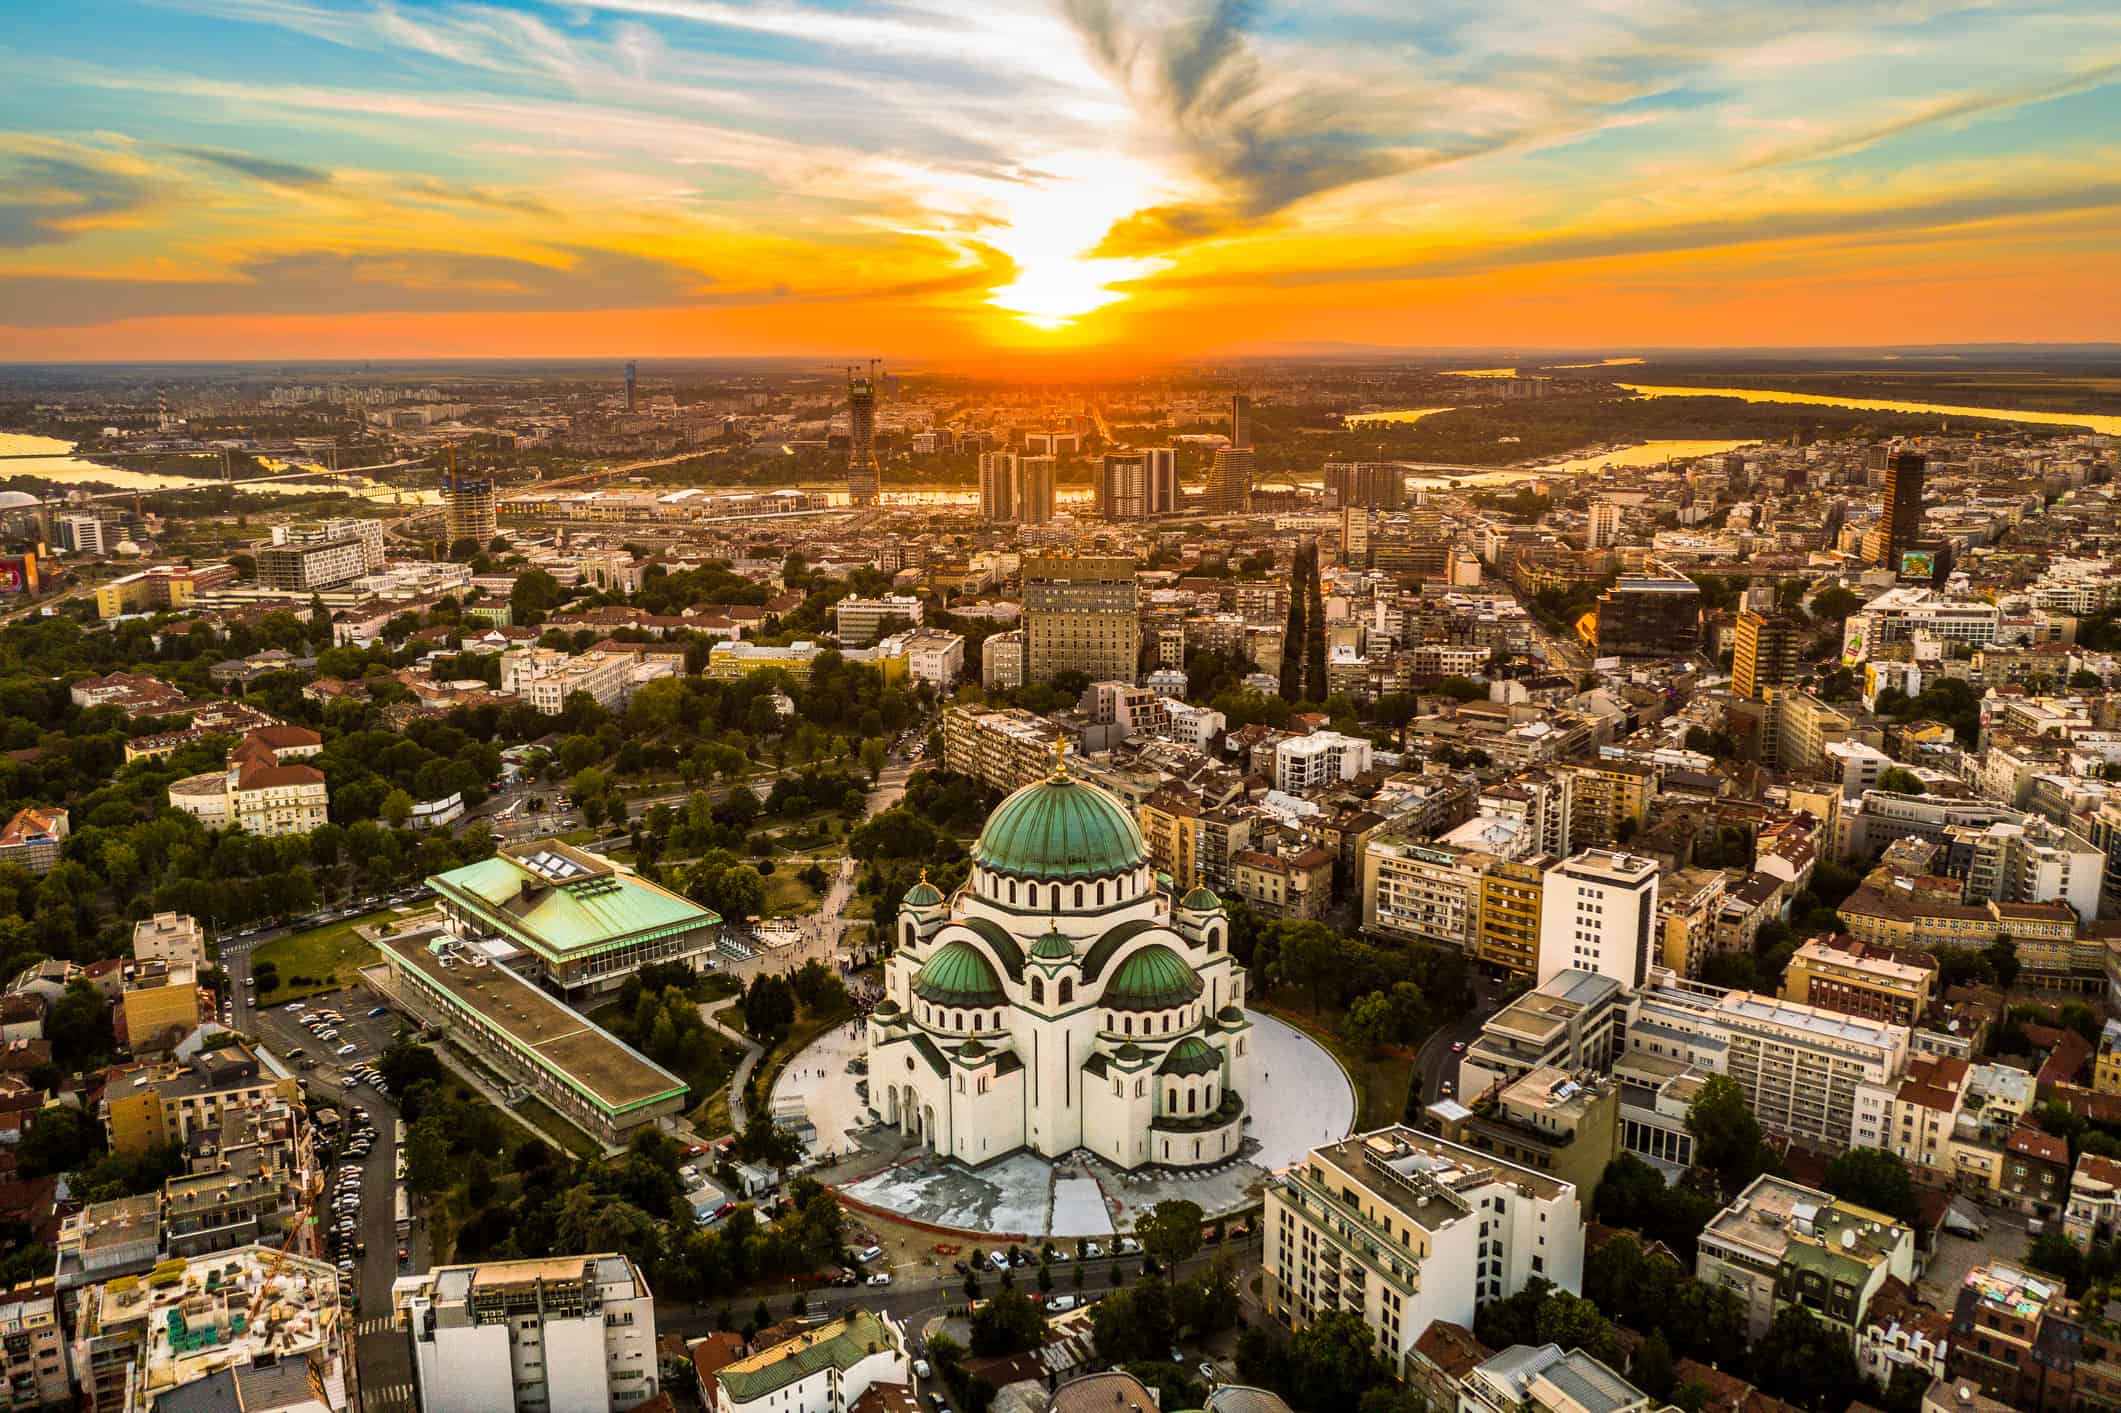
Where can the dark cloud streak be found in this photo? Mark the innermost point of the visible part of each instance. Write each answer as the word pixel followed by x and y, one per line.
pixel 263 169
pixel 1201 82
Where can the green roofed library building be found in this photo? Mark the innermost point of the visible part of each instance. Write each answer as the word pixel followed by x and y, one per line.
pixel 585 923
pixel 1063 1000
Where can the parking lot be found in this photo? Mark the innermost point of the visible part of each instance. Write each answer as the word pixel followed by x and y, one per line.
pixel 384 1362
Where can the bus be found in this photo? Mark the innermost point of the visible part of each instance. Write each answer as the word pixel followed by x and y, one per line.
pixel 404 1210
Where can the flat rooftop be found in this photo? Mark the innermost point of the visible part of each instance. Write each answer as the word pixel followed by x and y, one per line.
pixel 1425 1178
pixel 592 1060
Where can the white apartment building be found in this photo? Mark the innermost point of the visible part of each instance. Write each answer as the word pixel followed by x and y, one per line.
pixel 546 677
pixel 1545 1378
pixel 1803 1068
pixel 1598 913
pixel 1404 1228
pixel 1603 531
pixel 862 621
pixel 169 937
pixel 825 1370
pixel 1194 726
pixel 1306 763
pixel 1899 614
pixel 1426 892
pixel 934 656
pixel 1001 661
pixel 562 1332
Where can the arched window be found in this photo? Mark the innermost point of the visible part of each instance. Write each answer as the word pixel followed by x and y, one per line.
pixel 1038 992
pixel 1101 892
pixel 1130 1025
pixel 1078 896
pixel 1192 1098
pixel 1141 1087
pixel 1012 890
pixel 957 1020
pixel 909 932
pixel 1067 990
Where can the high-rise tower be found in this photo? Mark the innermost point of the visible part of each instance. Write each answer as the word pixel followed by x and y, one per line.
pixel 863 474
pixel 1900 520
pixel 468 506
pixel 629 386
pixel 1123 486
pixel 1768 653
pixel 1162 464
pixel 1240 421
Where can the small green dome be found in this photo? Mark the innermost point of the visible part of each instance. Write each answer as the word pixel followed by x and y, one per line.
pixel 1200 900
pixel 1191 1055
pixel 885 1009
pixel 1151 980
pixel 923 895
pixel 957 975
pixel 1053 948
pixel 1061 828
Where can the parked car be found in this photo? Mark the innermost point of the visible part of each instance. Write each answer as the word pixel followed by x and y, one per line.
pixel 880 1278
pixel 1060 1304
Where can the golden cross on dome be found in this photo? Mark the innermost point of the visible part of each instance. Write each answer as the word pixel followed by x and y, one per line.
pixel 1060 755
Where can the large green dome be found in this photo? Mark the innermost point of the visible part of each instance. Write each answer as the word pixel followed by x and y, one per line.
pixel 957 975
pixel 1153 979
pixel 1061 828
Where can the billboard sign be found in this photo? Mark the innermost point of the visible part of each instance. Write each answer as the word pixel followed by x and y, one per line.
pixel 1918 564
pixel 18 574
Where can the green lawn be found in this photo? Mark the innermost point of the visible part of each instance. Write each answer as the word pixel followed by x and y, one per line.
pixel 325 957
pixel 787 895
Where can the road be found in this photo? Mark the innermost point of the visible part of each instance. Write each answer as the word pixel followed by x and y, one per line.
pixel 914 1300
pixel 1436 1062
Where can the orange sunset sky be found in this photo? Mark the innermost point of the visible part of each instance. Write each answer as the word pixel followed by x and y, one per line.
pixel 954 179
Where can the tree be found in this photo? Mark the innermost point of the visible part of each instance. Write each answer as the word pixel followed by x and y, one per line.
pixel 1874 1178
pixel 1653 1370
pixel 1293 633
pixel 397 809
pixel 2003 957
pixel 60 1139
pixel 1899 780
pixel 874 754
pixel 1333 1361
pixel 1314 634
pixel 1726 1135
pixel 534 594
pixel 427 1169
pixel 1369 1022
pixel 1007 1324
pixel 1171 1231
pixel 1803 1362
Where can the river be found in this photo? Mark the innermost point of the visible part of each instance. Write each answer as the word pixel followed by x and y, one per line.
pixel 2097 421
pixel 63 467
pixel 1403 414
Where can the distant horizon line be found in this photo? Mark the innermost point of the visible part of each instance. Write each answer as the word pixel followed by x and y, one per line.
pixel 1309 351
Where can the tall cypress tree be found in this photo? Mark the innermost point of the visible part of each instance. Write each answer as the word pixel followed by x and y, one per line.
pixel 1315 636
pixel 1292 636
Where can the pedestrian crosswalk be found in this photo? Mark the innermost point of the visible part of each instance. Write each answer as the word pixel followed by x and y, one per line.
pixel 376 1324
pixel 381 1398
